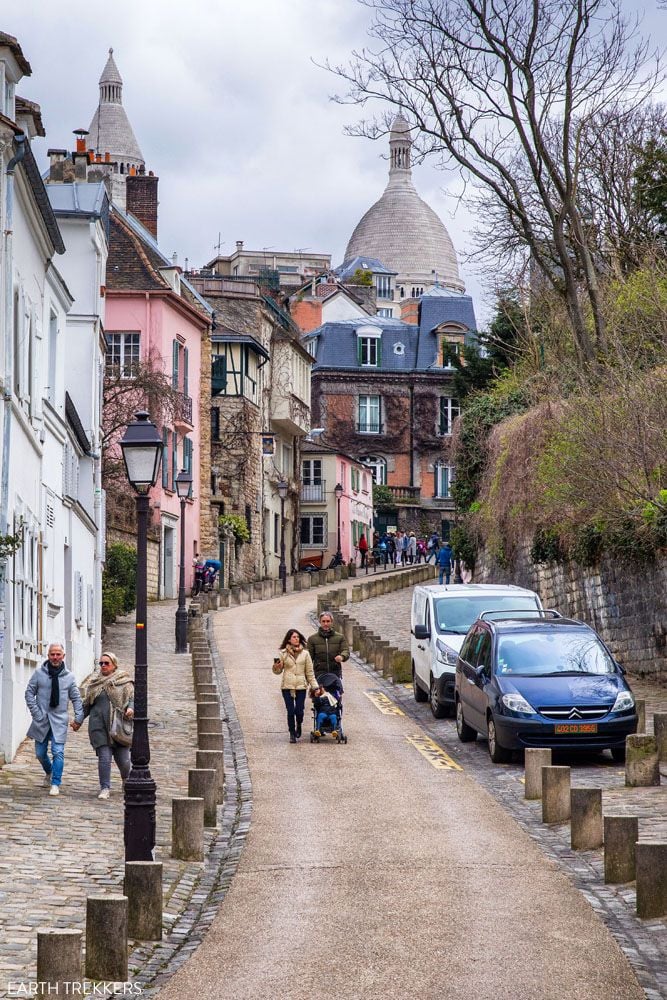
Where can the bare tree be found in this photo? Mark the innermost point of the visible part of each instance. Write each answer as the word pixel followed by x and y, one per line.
pixel 505 89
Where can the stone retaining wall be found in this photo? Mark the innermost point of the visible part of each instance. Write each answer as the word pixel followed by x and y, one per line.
pixel 625 603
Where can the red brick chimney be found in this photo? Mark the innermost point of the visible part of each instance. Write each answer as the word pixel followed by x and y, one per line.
pixel 141 199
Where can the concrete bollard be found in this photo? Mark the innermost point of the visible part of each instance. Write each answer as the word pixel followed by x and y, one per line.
pixel 586 833
pixel 209 726
pixel 620 838
pixel 338 574
pixel 401 667
pixel 535 759
pixel 58 959
pixel 208 710
pixel 210 741
pixel 651 880
pixel 640 707
pixel 555 794
pixel 213 760
pixel 642 767
pixel 143 888
pixel 329 576
pixel 203 784
pixel 106 938
pixel 660 730
pixel 187 829
pixel 202 675
pixel 357 593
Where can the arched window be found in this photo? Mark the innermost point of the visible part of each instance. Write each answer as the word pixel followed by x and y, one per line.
pixel 444 477
pixel 378 468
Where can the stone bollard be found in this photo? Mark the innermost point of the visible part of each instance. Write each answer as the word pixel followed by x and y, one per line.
pixel 203 784
pixel 224 599
pixel 401 667
pixel 329 575
pixel 210 741
pixel 209 726
pixel 378 653
pixel 388 661
pixel 143 888
pixel 208 710
pixel 202 675
pixel 620 838
pixel 555 794
pixel 357 595
pixel 651 880
pixel 535 760
pixel 640 708
pixel 642 767
pixel 586 832
pixel 660 730
pixel 213 760
pixel 338 573
pixel 106 938
pixel 58 959
pixel 344 572
pixel 187 829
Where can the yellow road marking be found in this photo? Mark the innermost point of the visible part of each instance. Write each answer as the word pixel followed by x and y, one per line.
pixel 385 704
pixel 433 753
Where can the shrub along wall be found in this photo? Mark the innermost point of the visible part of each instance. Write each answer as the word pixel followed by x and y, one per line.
pixel 626 603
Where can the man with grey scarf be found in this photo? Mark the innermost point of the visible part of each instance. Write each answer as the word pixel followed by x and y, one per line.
pixel 49 691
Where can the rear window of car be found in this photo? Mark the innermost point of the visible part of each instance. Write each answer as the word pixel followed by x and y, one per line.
pixel 455 615
pixel 552 653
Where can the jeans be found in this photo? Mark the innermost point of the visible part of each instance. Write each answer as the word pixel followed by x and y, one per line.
pixel 323 717
pixel 122 757
pixel 294 703
pixel 444 572
pixel 53 767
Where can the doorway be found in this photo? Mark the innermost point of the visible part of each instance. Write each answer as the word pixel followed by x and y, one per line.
pixel 168 587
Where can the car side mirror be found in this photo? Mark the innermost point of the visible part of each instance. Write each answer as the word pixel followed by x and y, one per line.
pixel 621 668
pixel 422 632
pixel 481 670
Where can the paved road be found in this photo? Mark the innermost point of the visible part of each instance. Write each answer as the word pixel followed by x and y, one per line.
pixel 378 869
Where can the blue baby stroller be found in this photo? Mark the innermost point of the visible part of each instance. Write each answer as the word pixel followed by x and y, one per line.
pixel 334 724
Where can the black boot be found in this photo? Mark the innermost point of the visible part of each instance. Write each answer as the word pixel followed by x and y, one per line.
pixel 298 730
pixel 292 738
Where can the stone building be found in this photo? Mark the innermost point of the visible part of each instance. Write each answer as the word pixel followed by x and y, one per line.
pixel 271 269
pixel 260 412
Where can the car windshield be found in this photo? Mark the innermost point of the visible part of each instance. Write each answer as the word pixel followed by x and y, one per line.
pixel 456 614
pixel 554 652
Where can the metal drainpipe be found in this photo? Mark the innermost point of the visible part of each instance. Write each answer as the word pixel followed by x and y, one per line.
pixel 412 435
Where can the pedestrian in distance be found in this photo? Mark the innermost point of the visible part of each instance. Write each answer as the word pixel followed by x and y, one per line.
pixel 412 548
pixel 328 648
pixel 104 691
pixel 444 561
pixel 49 691
pixel 421 550
pixel 295 666
pixel 405 548
pixel 433 546
pixel 363 550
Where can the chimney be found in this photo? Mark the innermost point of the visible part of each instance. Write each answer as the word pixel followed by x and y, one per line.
pixel 239 246
pixel 141 199
pixel 57 165
pixel 80 134
pixel 80 165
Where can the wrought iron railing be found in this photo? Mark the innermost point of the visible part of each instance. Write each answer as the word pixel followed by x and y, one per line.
pixel 313 492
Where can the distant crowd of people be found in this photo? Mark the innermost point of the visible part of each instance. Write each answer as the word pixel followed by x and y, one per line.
pixel 404 548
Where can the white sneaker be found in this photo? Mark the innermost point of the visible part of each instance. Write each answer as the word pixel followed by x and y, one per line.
pixel 54 790
pixel 104 794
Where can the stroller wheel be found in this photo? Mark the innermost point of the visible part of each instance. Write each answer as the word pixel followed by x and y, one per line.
pixel 312 738
pixel 345 739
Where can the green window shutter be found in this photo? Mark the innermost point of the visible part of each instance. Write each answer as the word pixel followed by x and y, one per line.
pixel 189 462
pixel 379 352
pixel 174 364
pixel 174 459
pixel 185 371
pixel 165 459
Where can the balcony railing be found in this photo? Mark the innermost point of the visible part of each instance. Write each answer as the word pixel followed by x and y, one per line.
pixel 183 412
pixel 405 493
pixel 313 492
pixel 370 427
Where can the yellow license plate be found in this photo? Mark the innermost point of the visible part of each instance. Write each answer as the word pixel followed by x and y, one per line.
pixel 576 727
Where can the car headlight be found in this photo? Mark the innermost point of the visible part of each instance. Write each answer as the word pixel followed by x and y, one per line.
pixel 445 654
pixel 625 700
pixel 517 703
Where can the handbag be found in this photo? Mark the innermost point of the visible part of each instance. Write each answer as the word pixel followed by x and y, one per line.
pixel 121 728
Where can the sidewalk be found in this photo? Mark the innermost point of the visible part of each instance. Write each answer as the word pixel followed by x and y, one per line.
pixel 57 851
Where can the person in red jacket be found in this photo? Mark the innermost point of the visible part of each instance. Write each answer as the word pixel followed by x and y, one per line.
pixel 362 545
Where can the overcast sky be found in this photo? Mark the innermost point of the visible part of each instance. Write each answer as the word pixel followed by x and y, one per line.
pixel 233 115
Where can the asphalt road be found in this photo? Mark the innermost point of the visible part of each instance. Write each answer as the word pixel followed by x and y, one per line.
pixel 378 869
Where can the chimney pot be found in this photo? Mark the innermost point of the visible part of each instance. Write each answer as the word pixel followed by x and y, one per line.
pixel 239 245
pixel 141 199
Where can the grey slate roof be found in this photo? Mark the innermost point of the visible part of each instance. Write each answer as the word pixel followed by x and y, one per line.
pixel 78 199
pixel 348 267
pixel 442 305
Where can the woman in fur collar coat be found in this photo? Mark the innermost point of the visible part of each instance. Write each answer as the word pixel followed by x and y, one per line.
pixel 111 686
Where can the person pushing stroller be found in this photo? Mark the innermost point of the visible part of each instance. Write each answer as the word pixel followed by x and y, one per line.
pixel 328 709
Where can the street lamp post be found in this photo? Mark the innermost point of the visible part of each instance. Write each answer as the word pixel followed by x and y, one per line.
pixel 183 490
pixel 338 491
pixel 282 568
pixel 142 450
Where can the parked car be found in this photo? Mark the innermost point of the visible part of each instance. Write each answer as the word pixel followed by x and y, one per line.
pixel 541 681
pixel 440 619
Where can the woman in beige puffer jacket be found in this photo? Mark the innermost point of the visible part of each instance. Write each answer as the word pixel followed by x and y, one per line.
pixel 296 667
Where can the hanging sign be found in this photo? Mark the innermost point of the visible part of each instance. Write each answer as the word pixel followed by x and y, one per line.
pixel 268 445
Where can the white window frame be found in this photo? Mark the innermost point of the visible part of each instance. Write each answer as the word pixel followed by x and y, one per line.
pixel 443 483
pixel 311 471
pixel 123 352
pixel 450 409
pixel 369 404
pixel 312 543
pixel 377 468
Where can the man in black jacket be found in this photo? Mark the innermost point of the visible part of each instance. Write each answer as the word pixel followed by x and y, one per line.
pixel 328 649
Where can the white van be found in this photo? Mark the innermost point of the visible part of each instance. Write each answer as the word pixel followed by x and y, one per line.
pixel 440 619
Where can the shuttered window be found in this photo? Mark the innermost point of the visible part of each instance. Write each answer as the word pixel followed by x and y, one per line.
pixel 174 364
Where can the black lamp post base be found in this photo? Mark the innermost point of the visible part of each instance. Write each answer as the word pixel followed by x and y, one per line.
pixel 181 630
pixel 140 799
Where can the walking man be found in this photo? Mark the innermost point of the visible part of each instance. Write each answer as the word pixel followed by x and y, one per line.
pixel 328 649
pixel 444 560
pixel 50 689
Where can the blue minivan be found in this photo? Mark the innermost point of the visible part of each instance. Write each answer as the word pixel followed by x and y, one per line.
pixel 541 681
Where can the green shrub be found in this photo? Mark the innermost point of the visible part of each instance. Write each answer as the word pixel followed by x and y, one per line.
pixel 464 545
pixel 119 582
pixel 588 545
pixel 547 546
pixel 383 497
pixel 238 526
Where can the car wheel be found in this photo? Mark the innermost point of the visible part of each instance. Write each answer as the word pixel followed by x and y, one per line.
pixel 498 754
pixel 618 754
pixel 464 732
pixel 439 710
pixel 418 692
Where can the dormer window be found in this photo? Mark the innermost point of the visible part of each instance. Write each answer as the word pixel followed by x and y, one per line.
pixel 369 347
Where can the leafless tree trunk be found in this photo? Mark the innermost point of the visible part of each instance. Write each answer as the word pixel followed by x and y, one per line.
pixel 505 90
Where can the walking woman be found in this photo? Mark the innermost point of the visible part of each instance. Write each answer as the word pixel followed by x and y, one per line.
pixel 110 687
pixel 296 667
